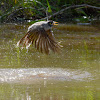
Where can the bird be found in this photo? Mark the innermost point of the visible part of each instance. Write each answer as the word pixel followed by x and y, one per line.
pixel 41 35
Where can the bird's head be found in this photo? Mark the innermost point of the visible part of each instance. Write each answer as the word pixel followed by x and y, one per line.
pixel 51 23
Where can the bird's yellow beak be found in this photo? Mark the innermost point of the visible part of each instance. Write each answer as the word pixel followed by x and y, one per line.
pixel 55 23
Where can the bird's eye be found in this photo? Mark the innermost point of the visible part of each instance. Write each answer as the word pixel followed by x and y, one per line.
pixel 50 23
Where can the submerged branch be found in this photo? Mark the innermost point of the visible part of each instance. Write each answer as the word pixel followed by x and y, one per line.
pixel 70 7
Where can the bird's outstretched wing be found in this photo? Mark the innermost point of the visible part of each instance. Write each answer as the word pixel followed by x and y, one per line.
pixel 44 40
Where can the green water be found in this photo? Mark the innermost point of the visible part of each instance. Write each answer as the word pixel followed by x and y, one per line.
pixel 73 74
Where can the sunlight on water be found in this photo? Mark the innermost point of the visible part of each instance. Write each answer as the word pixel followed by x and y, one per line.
pixel 73 74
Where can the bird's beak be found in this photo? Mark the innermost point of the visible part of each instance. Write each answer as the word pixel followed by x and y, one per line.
pixel 55 23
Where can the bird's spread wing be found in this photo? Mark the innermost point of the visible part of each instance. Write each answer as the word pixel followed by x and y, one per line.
pixel 44 40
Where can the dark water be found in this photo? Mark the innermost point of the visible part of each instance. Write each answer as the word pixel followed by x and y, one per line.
pixel 73 74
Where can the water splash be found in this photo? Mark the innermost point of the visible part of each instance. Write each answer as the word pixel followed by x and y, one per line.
pixel 36 74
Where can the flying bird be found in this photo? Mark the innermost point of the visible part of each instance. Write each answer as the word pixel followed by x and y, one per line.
pixel 41 35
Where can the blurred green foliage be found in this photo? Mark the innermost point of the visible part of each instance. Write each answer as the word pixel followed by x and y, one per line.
pixel 28 10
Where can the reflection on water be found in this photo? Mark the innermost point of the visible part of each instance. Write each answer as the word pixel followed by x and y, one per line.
pixel 71 75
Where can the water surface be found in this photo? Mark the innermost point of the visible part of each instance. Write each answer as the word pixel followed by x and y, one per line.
pixel 73 74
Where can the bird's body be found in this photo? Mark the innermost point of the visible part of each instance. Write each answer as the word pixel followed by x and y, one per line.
pixel 41 34
pixel 41 24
